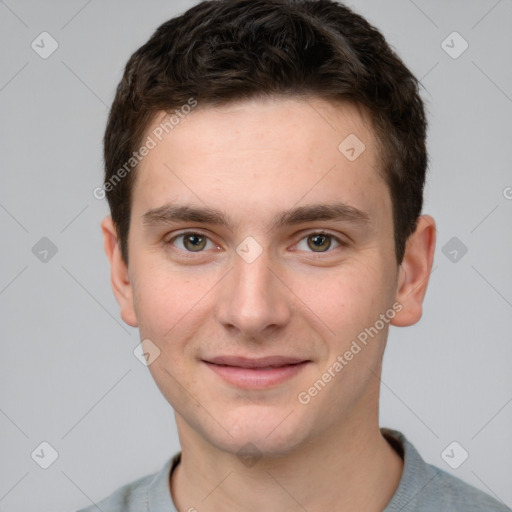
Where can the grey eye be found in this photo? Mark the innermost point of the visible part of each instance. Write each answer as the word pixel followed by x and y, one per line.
pixel 192 242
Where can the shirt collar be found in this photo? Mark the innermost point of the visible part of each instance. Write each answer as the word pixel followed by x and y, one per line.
pixel 159 492
pixel 415 476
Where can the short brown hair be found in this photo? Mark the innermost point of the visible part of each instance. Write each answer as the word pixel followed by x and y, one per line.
pixel 220 51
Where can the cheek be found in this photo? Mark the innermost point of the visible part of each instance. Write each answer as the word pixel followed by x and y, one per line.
pixel 348 299
pixel 161 298
pixel 170 303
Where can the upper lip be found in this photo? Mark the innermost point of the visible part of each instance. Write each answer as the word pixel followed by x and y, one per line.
pixel 262 362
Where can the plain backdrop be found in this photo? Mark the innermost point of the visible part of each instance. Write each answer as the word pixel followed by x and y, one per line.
pixel 68 374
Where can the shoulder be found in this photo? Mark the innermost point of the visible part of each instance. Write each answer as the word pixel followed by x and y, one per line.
pixel 139 495
pixel 455 494
pixel 128 498
pixel 426 488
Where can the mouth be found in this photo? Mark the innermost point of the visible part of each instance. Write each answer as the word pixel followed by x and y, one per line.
pixel 256 373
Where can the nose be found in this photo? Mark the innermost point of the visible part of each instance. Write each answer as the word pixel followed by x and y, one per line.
pixel 254 299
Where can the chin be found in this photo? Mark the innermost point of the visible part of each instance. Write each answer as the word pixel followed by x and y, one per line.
pixel 258 430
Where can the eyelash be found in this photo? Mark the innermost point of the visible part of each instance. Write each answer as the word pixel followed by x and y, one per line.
pixel 339 241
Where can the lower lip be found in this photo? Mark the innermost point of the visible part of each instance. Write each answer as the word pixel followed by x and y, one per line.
pixel 256 378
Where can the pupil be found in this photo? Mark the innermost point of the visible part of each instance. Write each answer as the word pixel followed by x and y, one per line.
pixel 319 241
pixel 195 241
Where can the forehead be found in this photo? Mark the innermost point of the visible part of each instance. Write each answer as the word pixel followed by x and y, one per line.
pixel 261 153
pixel 288 121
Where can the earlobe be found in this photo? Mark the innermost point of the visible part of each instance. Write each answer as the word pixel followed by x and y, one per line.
pixel 414 272
pixel 119 276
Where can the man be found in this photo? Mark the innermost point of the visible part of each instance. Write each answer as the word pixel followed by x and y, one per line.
pixel 265 163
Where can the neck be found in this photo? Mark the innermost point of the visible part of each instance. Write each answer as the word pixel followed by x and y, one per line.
pixel 350 469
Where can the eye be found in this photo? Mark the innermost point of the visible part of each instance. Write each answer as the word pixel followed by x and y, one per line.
pixel 191 242
pixel 319 242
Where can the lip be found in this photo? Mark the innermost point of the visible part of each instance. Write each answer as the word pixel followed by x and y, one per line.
pixel 256 373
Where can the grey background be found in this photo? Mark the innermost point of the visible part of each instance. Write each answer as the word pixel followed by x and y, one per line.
pixel 67 370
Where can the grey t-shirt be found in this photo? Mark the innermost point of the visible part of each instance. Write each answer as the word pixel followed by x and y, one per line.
pixel 422 488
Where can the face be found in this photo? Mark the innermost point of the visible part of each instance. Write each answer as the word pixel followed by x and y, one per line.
pixel 259 251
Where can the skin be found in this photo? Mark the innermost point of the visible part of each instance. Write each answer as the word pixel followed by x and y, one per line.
pixel 253 160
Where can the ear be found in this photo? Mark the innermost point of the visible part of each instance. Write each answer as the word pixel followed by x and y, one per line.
pixel 119 277
pixel 414 272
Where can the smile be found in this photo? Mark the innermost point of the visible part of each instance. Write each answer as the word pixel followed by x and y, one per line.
pixel 260 373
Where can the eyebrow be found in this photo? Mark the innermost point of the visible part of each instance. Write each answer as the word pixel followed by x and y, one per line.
pixel 172 213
